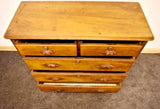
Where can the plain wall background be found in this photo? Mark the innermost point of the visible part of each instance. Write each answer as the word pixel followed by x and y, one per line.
pixel 151 9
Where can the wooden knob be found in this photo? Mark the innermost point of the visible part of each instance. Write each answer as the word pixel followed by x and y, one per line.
pixel 105 66
pixel 78 61
pixel 105 79
pixel 101 79
pixel 46 51
pixel 109 51
pixel 110 48
pixel 51 65
pixel 56 79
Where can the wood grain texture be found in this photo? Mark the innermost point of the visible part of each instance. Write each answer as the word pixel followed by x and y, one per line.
pixel 80 88
pixel 78 64
pixel 79 77
pixel 145 50
pixel 42 49
pixel 79 21
pixel 104 49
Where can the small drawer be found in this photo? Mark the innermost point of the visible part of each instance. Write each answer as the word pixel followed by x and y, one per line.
pixel 78 64
pixel 79 87
pixel 81 77
pixel 46 48
pixel 110 49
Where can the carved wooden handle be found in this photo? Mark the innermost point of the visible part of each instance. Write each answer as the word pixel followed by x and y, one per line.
pixel 46 51
pixel 105 66
pixel 105 79
pixel 109 51
pixel 102 79
pixel 55 78
pixel 51 65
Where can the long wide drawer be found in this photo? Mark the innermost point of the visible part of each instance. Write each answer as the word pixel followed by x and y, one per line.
pixel 78 64
pixel 80 77
pixel 46 49
pixel 110 49
pixel 79 87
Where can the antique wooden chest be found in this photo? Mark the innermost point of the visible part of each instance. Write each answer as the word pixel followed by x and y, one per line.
pixel 79 46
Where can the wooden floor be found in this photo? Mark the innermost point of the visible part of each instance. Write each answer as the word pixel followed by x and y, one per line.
pixel 140 90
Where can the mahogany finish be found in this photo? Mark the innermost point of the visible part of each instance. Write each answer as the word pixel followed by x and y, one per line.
pixel 78 64
pixel 77 46
pixel 64 87
pixel 105 49
pixel 78 77
pixel 72 20
pixel 46 49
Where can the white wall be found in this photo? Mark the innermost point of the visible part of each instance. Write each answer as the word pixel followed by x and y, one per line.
pixel 151 9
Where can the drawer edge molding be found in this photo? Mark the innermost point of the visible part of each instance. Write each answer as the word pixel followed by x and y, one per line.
pixel 84 64
pixel 76 87
pixel 102 49
pixel 81 77
pixel 43 49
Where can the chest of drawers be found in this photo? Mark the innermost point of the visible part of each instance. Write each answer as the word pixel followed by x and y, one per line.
pixel 79 46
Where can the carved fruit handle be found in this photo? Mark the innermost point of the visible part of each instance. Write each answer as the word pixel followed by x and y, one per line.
pixel 105 66
pixel 46 51
pixel 51 65
pixel 110 51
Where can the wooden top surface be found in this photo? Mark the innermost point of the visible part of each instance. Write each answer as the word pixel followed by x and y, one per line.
pixel 79 21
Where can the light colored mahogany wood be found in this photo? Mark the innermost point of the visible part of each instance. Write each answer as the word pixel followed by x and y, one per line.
pixel 41 23
pixel 104 49
pixel 49 49
pixel 78 64
pixel 79 21
pixel 66 87
pixel 145 50
pixel 79 77
pixel 143 45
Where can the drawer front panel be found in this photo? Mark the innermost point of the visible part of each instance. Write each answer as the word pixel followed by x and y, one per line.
pixel 77 87
pixel 53 49
pixel 101 49
pixel 79 77
pixel 78 64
